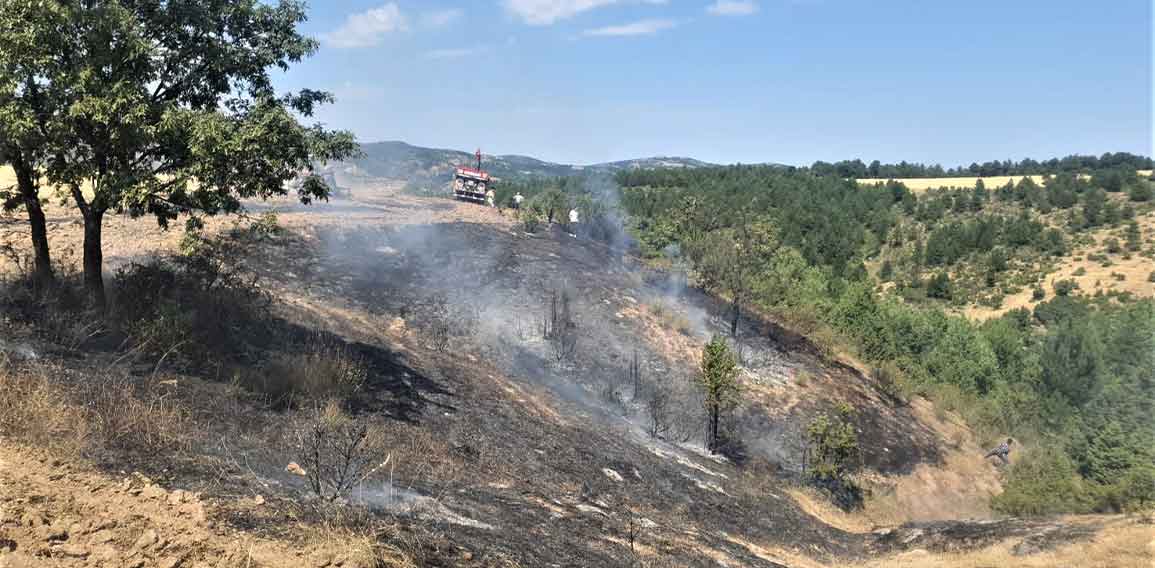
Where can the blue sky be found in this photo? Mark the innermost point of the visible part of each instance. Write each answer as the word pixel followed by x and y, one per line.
pixel 790 81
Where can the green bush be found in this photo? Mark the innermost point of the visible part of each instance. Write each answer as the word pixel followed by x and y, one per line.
pixel 1065 287
pixel 1038 293
pixel 1043 482
pixel 833 455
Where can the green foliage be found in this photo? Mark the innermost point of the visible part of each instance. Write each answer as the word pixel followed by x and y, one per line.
pixel 177 115
pixel 939 286
pixel 718 380
pixel 1113 246
pixel 1038 293
pixel 833 452
pixel 1141 191
pixel 1057 373
pixel 1065 287
pixel 1043 482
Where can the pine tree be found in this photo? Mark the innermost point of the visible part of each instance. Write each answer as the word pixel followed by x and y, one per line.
pixel 718 380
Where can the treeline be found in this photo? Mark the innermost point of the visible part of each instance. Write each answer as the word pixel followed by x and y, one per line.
pixel 1073 379
pixel 1069 164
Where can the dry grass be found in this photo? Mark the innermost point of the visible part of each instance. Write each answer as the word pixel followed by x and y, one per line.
pixel 318 371
pixel 1091 275
pixel 38 405
pixel 923 184
pixel 35 409
pixel 1127 545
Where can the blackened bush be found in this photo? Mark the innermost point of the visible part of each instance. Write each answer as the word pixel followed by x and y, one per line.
pixel 200 307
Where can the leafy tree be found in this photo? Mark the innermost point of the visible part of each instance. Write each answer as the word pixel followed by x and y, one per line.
pixel 1072 358
pixel 1141 191
pixel 1134 236
pixel 1093 203
pixel 168 108
pixel 1044 482
pixel 730 260
pixel 939 286
pixel 718 380
pixel 1109 454
pixel 832 444
pixel 30 115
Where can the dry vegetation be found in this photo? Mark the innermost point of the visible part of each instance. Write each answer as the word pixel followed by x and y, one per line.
pixel 1093 276
pixel 103 415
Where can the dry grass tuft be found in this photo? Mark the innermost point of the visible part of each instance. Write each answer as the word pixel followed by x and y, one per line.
pixel 319 371
pixel 38 405
pixel 35 409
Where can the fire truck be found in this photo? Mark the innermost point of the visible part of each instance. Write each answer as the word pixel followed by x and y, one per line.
pixel 471 184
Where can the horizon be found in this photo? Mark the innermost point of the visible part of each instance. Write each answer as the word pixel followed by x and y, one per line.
pixel 738 81
pixel 688 157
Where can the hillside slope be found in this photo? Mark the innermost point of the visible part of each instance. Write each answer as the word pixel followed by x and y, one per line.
pixel 503 453
pixel 434 166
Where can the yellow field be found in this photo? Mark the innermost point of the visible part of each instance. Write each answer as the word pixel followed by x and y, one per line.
pixel 923 184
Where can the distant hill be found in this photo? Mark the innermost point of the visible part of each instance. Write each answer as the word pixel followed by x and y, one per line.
pixel 434 166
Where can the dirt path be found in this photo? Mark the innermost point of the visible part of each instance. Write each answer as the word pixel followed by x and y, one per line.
pixel 56 513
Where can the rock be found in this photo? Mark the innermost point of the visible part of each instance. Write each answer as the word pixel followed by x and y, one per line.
pixel 102 537
pixel 153 492
pixel 55 533
pixel 258 500
pixel 146 540
pixel 612 474
pixel 171 562
pixel 295 469
pixel 32 519
pixel 71 550
pixel 179 496
pixel 135 563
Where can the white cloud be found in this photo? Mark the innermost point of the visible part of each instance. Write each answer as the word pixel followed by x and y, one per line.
pixel 732 7
pixel 642 27
pixel 365 29
pixel 441 17
pixel 545 12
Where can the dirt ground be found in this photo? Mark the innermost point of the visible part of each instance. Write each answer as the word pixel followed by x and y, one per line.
pixel 521 460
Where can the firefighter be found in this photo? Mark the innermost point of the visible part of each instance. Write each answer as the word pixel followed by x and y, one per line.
pixel 1002 451
pixel 573 216
pixel 517 200
pixel 489 198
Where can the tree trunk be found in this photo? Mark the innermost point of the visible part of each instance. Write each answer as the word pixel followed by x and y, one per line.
pixel 737 315
pixel 94 258
pixel 713 442
pixel 25 180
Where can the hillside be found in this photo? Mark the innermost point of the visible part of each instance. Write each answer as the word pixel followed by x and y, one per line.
pixel 432 167
pixel 503 450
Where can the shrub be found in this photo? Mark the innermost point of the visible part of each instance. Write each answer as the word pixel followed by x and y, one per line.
pixel 1113 246
pixel 1141 191
pixel 201 307
pixel 1043 482
pixel 1080 271
pixel 1038 293
pixel 531 219
pixel 337 452
pixel 317 371
pixel 832 448
pixel 939 286
pixel 1065 287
